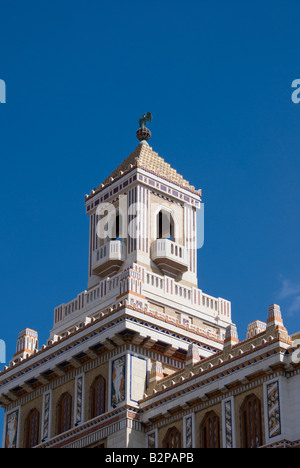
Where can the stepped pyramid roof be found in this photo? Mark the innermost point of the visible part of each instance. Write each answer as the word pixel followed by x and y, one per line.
pixel 143 156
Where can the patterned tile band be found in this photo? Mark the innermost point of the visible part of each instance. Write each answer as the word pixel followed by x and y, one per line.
pixel 46 417
pixel 189 432
pixel 228 425
pixel 273 409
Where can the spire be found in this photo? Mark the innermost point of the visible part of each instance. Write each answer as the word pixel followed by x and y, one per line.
pixel 156 373
pixel 193 356
pixel 274 316
pixel 275 322
pixel 144 157
pixel 231 336
pixel 27 344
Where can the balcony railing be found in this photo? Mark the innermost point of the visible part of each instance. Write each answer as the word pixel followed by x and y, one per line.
pixel 169 256
pixel 143 282
pixel 108 258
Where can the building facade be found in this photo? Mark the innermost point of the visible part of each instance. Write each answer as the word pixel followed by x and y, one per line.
pixel 144 358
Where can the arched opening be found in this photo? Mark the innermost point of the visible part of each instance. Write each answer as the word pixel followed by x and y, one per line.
pixel 251 422
pixel 98 400
pixel 117 228
pixel 165 225
pixel 172 439
pixel 32 426
pixel 210 431
pixel 64 419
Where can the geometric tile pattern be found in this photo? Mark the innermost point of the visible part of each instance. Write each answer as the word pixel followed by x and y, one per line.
pixel 228 425
pixel 46 418
pixel 189 432
pixel 79 390
pixel 273 409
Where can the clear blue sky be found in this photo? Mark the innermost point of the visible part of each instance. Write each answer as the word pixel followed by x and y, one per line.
pixel 217 78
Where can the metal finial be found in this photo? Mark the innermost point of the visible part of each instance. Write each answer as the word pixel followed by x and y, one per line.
pixel 146 118
pixel 143 134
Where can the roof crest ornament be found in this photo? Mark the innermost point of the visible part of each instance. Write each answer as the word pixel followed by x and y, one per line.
pixel 143 134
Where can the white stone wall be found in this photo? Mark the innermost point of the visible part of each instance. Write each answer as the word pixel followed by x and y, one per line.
pixel 291 407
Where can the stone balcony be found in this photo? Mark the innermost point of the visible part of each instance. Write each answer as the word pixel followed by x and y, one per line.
pixel 108 258
pixel 169 256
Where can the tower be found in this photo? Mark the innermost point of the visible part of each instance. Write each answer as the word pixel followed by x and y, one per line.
pixel 143 245
pixel 145 213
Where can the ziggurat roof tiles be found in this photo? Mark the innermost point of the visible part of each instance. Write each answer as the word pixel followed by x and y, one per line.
pixel 143 156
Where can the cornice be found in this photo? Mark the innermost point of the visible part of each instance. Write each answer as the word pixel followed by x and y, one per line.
pixel 93 425
pixel 58 348
pixel 200 377
pixel 102 188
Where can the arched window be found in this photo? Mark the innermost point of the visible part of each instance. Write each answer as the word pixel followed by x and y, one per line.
pixel 117 227
pixel 251 422
pixel 98 392
pixel 32 429
pixel 64 413
pixel 165 225
pixel 172 439
pixel 210 431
